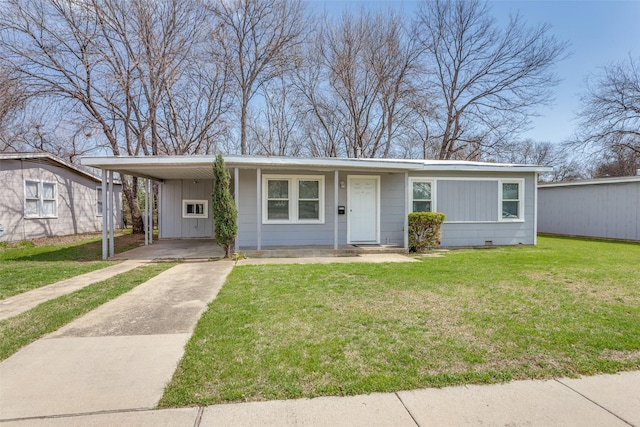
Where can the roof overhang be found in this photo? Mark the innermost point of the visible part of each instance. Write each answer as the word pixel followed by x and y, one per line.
pixel 52 159
pixel 200 167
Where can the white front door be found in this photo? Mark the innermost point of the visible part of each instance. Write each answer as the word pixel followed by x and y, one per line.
pixel 363 209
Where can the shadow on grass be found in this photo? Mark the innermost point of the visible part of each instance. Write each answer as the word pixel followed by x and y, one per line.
pixel 80 252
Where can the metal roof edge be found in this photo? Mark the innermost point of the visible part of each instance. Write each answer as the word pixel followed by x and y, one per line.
pixel 600 181
pixel 328 162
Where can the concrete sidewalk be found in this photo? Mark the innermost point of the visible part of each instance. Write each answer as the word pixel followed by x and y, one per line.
pixel 117 357
pixel 605 400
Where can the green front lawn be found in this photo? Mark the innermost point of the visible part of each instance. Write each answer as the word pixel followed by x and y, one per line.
pixel 25 266
pixel 563 308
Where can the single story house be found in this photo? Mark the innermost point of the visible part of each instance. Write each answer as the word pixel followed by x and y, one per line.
pixel 335 202
pixel 42 195
pixel 607 208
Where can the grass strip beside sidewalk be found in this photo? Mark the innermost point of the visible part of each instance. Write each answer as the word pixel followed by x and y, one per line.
pixel 23 329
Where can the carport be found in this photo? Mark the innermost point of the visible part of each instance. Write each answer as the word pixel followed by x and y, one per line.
pixel 156 169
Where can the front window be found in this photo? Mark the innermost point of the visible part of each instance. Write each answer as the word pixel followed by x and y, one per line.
pixel 293 199
pixel 511 200
pixel 421 195
pixel 40 199
pixel 309 199
pixel 195 209
pixel 278 199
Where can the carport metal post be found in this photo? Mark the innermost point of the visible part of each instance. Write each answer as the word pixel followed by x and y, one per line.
pixel 104 214
pixel 145 217
pixel 150 211
pixel 406 210
pixel 111 210
pixel 258 209
pixel 236 196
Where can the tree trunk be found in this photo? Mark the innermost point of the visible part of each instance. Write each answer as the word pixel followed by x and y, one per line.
pixel 131 195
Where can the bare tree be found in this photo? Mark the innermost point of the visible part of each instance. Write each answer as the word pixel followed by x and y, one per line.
pixel 619 161
pixel 258 37
pixel 13 96
pixel 274 130
pixel 357 83
pixel 566 167
pixel 116 60
pixel 483 79
pixel 610 115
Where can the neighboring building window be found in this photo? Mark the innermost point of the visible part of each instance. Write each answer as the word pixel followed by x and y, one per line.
pixel 99 201
pixel 40 199
pixel 511 200
pixel 421 195
pixel 195 209
pixel 289 199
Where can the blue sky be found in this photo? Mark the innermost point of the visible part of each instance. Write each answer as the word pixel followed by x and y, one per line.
pixel 599 33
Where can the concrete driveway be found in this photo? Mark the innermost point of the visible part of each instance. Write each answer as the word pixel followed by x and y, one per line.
pixel 175 249
pixel 117 357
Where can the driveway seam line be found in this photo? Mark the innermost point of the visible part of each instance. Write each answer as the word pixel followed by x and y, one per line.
pixel 594 402
pixel 198 419
pixel 77 414
pixel 407 409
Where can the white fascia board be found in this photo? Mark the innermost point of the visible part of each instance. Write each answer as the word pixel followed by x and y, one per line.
pixel 124 162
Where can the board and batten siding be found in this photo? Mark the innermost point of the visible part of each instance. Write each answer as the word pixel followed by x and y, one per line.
pixel 76 207
pixel 172 224
pixel 599 209
pixel 471 203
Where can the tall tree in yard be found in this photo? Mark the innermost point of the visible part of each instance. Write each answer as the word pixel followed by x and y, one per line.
pixel 260 38
pixel 122 65
pixel 483 80
pixel 225 214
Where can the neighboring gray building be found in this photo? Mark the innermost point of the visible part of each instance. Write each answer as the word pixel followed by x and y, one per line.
pixel 42 196
pixel 335 202
pixel 607 208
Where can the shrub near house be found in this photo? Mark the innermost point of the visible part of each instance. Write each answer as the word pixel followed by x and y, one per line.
pixel 425 230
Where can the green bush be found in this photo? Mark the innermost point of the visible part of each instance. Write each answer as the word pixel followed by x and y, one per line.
pixel 425 230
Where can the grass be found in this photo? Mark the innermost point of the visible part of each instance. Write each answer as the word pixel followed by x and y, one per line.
pixel 27 265
pixel 18 331
pixel 563 308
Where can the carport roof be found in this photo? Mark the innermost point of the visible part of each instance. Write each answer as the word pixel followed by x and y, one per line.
pixel 200 167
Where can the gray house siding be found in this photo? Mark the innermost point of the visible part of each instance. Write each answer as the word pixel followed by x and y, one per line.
pixel 599 209
pixel 76 200
pixel 471 203
pixel 172 224
pixel 284 234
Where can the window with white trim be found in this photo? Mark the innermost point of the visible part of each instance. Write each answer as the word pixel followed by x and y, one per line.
pixel 195 208
pixel 421 195
pixel 292 199
pixel 98 201
pixel 511 196
pixel 40 199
